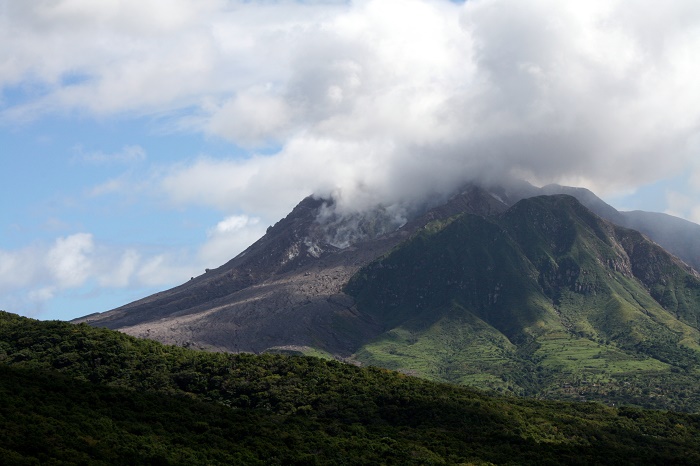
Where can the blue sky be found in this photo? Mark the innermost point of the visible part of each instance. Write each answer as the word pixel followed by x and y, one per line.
pixel 142 141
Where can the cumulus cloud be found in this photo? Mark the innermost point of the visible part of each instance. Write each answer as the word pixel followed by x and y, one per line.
pixel 269 184
pixel 34 275
pixel 377 100
pixel 65 263
pixel 120 273
pixel 68 260
pixel 380 101
pixel 18 268
pixel 251 118
pixel 141 56
pixel 230 236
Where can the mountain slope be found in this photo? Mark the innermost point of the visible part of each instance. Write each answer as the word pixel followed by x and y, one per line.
pixel 285 284
pixel 679 237
pixel 286 289
pixel 75 394
pixel 558 296
pixel 496 302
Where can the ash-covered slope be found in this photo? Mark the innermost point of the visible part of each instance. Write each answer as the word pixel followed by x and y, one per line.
pixel 285 291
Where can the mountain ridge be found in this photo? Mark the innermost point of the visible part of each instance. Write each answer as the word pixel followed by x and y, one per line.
pixel 676 235
pixel 492 309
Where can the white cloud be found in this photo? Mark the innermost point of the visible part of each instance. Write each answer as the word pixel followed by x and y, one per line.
pixel 121 274
pixel 232 224
pixel 143 56
pixel 32 276
pixel 388 100
pixel 251 118
pixel 66 263
pixel 69 260
pixel 272 185
pixel 18 268
pixel 35 274
pixel 229 237
pixel 414 90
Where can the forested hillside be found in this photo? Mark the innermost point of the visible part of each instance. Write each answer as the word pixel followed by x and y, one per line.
pixel 545 300
pixel 76 394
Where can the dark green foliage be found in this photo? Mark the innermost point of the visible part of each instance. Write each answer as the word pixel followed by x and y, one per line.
pixel 534 300
pixel 73 394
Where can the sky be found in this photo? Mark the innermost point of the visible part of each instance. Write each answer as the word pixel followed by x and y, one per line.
pixel 142 141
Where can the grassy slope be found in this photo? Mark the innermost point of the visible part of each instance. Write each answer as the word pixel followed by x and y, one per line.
pixel 76 394
pixel 546 300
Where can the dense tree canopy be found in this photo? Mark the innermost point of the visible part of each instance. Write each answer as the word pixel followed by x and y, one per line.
pixel 76 394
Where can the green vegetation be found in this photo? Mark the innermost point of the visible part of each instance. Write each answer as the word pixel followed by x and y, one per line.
pixel 73 394
pixel 545 300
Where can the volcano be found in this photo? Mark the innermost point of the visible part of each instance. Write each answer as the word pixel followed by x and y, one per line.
pixel 521 289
